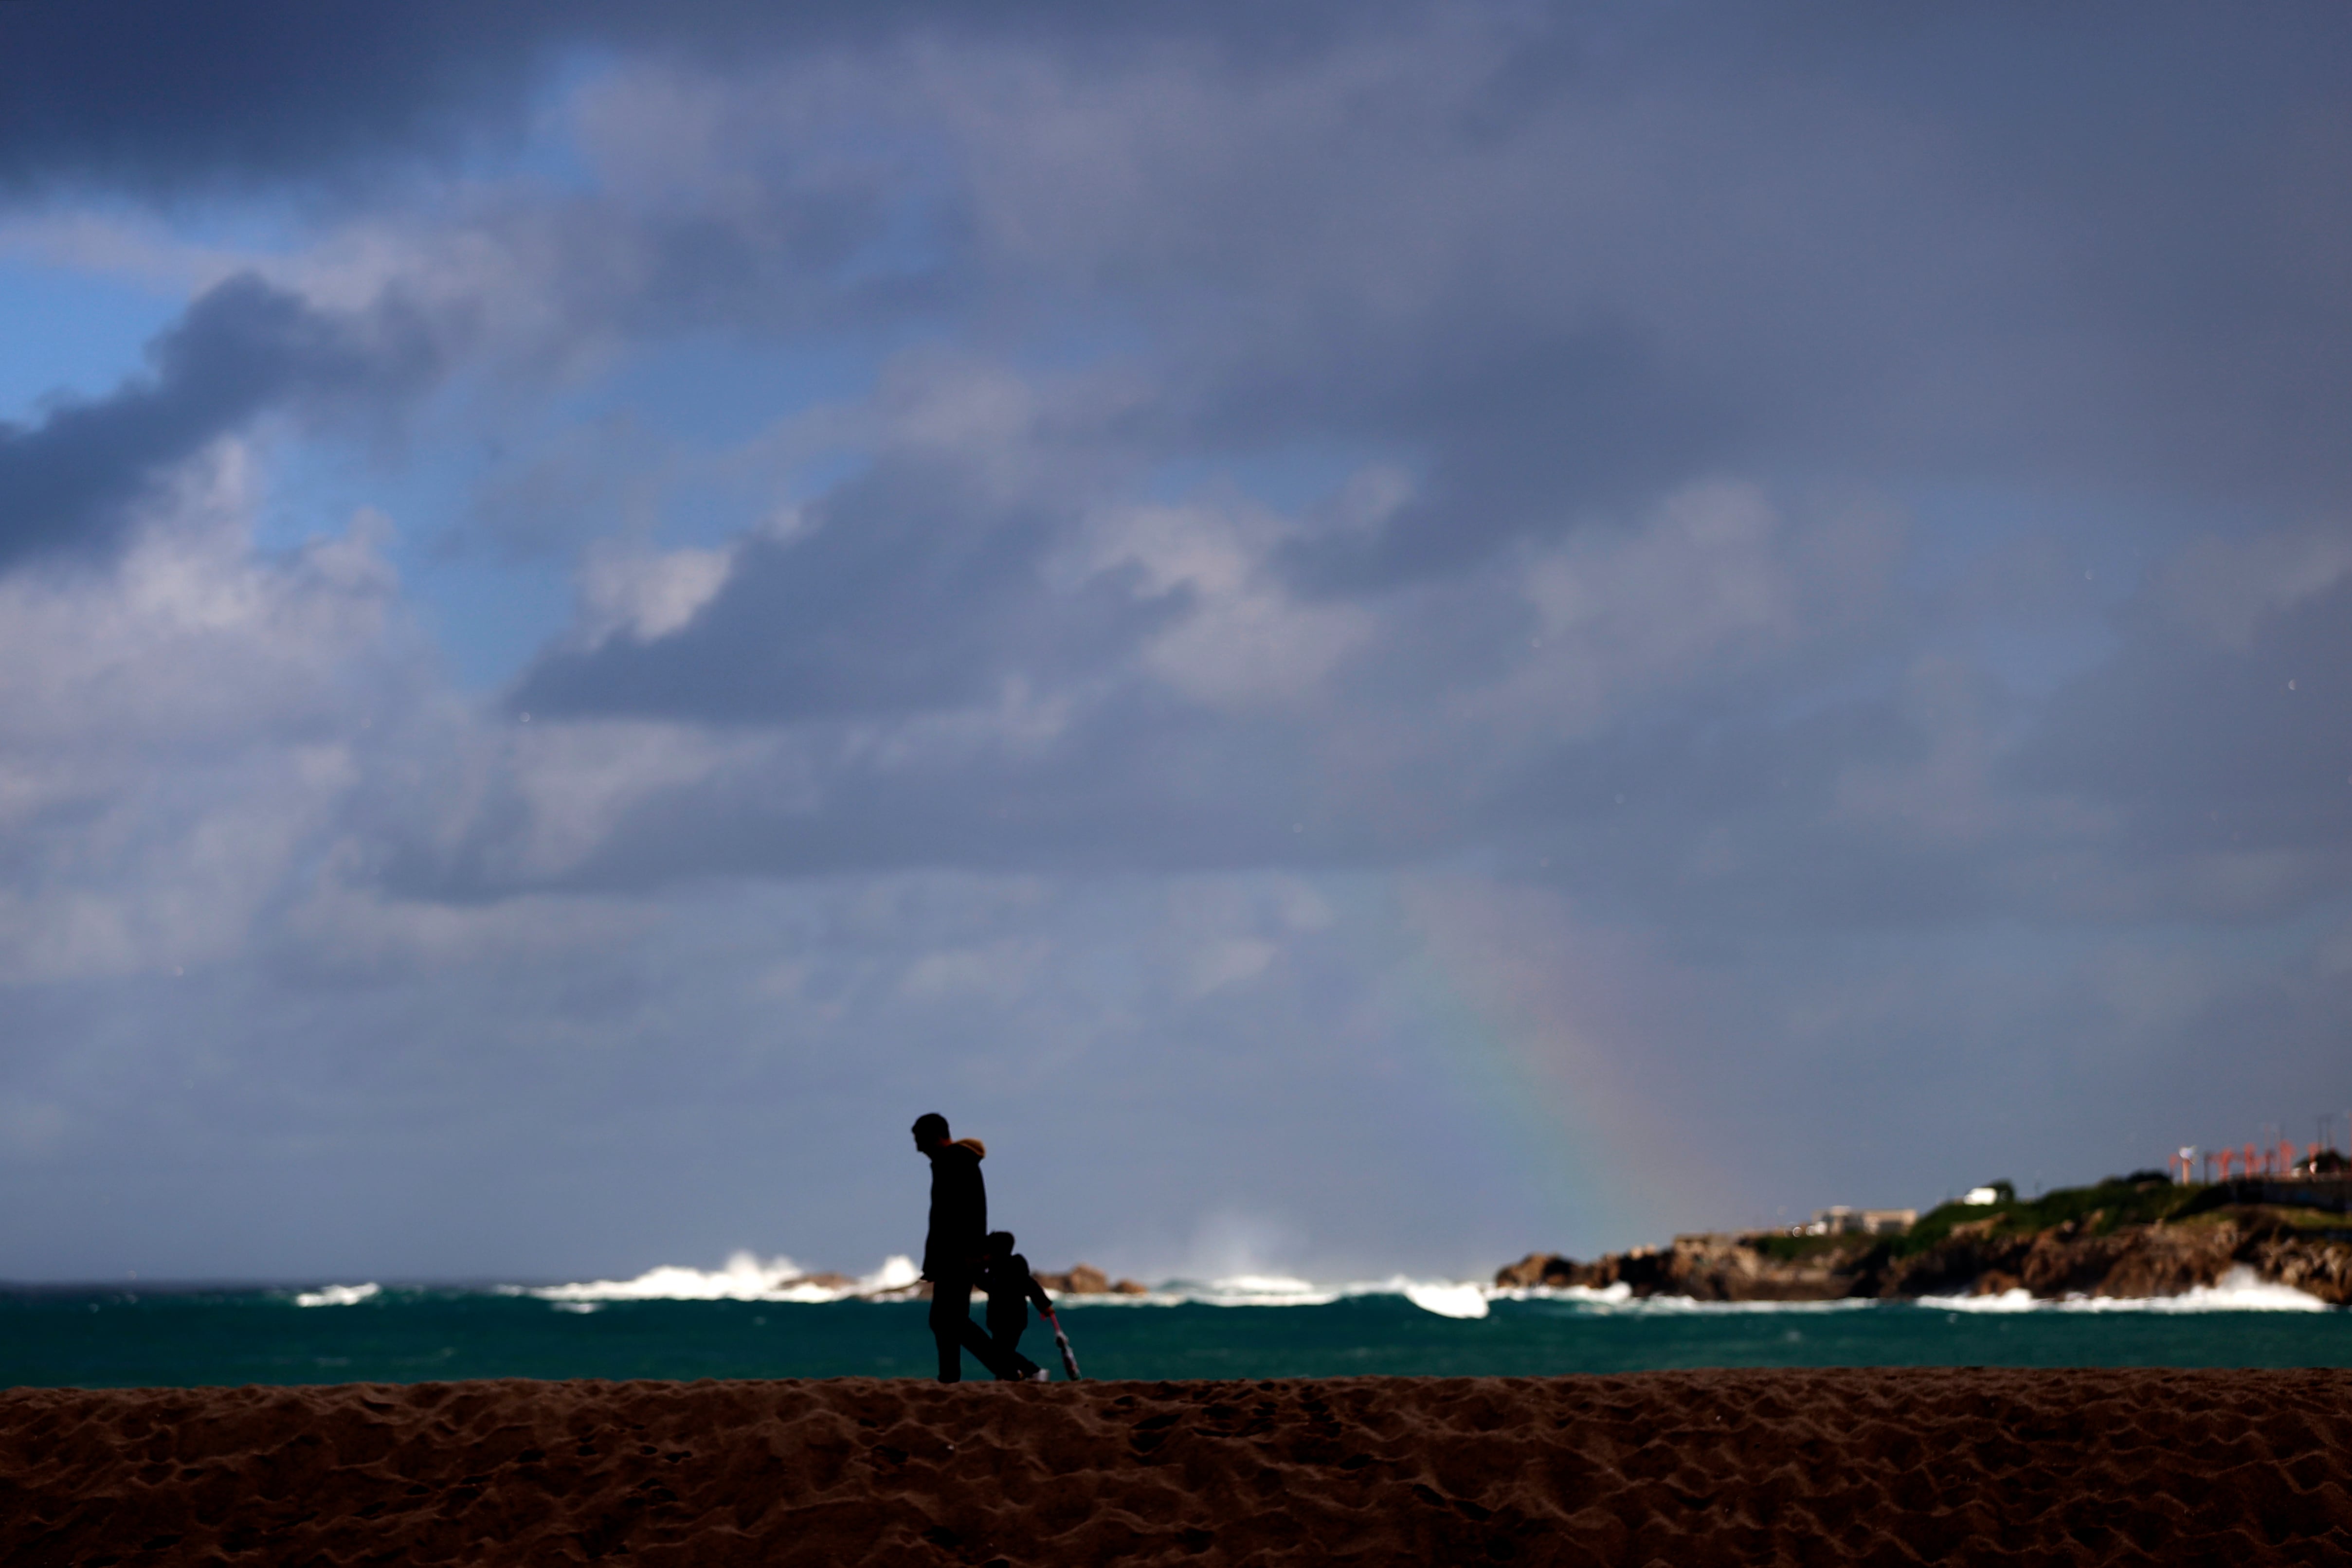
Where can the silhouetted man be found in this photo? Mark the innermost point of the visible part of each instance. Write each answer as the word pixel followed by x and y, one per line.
pixel 1011 1288
pixel 954 1246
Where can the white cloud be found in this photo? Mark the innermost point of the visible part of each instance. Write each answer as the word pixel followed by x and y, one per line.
pixel 191 637
pixel 2228 589
pixel 345 928
pixel 1224 931
pixel 1243 642
pixel 577 779
pixel 1229 962
pixel 1707 568
pixel 179 729
pixel 1714 577
pixel 999 972
pixel 647 594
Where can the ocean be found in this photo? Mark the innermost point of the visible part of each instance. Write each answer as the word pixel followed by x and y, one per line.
pixel 684 1324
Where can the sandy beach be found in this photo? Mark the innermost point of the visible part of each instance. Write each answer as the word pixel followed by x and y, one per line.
pixel 1848 1466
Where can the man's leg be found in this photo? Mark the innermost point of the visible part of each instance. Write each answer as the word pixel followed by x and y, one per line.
pixel 952 1327
pixel 951 1306
pixel 976 1340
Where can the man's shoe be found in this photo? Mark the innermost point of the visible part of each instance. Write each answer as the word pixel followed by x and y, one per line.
pixel 1040 1375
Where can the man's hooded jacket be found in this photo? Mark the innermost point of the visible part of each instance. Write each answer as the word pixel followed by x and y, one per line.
pixel 959 1232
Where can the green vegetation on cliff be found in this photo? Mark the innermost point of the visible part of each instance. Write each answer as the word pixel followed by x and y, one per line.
pixel 1783 1248
pixel 2112 1205
pixel 2134 1236
pixel 2116 1203
pixel 2099 1210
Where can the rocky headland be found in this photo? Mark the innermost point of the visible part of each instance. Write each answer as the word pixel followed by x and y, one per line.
pixel 2123 1237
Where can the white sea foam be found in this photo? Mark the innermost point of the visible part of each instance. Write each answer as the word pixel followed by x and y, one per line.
pixel 896 1273
pixel 2239 1290
pixel 1232 1290
pixel 1619 1299
pixel 748 1278
pixel 1615 1295
pixel 745 1278
pixel 2018 1300
pixel 1448 1300
pixel 338 1295
pixel 1446 1297
pixel 1266 1289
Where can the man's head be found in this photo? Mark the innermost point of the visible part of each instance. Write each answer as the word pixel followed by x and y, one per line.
pixel 931 1131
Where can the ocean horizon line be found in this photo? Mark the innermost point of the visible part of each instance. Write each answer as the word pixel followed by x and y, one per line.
pixel 2239 1291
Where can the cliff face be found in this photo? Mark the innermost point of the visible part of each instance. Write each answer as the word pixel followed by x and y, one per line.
pixel 1707 1269
pixel 2078 1258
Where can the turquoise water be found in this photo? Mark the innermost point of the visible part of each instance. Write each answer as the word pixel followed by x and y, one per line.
pixel 188 1338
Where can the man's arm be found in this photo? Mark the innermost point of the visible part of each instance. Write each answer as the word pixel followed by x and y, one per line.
pixel 970 1222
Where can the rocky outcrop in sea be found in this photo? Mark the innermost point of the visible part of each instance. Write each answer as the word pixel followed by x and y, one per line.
pixel 1079 1279
pixel 1086 1280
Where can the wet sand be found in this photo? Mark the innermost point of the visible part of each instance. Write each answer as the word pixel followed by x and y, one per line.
pixel 1685 1467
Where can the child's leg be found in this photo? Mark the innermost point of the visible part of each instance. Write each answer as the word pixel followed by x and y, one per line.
pixel 1004 1334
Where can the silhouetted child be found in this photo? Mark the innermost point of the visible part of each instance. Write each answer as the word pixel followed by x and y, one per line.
pixel 1004 1275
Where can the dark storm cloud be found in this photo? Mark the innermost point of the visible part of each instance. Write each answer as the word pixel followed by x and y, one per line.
pixel 1930 248
pixel 147 95
pixel 911 592
pixel 1146 785
pixel 71 482
pixel 1874 245
pixel 254 91
pixel 1554 267
pixel 1119 771
pixel 1554 260
pixel 1519 437
pixel 2200 770
pixel 1581 324
pixel 1557 264
pixel 2223 753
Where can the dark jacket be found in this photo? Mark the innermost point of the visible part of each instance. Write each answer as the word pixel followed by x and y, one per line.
pixel 1007 1280
pixel 959 1231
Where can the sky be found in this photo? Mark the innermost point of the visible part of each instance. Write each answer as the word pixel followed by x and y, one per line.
pixel 1370 636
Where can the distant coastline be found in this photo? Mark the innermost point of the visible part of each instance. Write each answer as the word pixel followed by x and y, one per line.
pixel 2128 1236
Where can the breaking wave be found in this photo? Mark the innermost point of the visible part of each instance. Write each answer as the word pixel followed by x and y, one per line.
pixel 2239 1290
pixel 745 1278
pixel 748 1278
pixel 1445 1298
pixel 338 1295
pixel 1621 1300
